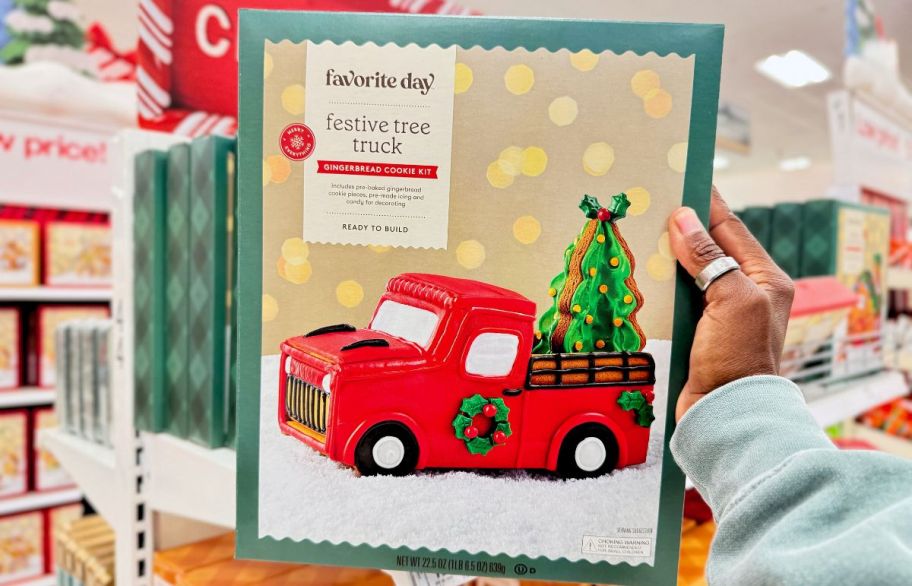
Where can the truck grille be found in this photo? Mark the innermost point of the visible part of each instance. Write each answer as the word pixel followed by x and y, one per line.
pixel 306 404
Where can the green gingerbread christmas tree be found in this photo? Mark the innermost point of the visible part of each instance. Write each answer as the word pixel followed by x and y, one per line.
pixel 595 296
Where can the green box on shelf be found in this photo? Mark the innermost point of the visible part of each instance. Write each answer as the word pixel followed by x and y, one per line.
pixel 231 432
pixel 209 317
pixel 785 237
pixel 177 289
pixel 758 220
pixel 149 232
pixel 834 229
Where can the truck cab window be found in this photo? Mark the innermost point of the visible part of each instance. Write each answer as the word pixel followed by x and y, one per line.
pixel 405 321
pixel 492 354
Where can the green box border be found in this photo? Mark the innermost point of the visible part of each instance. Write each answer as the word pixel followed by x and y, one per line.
pixel 702 40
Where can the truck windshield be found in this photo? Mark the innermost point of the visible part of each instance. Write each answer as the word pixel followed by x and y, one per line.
pixel 405 321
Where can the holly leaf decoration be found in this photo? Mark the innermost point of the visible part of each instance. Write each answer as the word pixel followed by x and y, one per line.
pixel 590 206
pixel 505 428
pixel 460 424
pixel 502 410
pixel 479 445
pixel 645 416
pixel 631 400
pixel 619 205
pixel 472 405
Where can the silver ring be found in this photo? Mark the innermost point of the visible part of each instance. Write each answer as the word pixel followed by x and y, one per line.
pixel 714 270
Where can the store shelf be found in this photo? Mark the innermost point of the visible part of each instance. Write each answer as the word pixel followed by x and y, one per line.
pixel 42 581
pixel 899 279
pixel 190 481
pixel 26 397
pixel 852 398
pixel 92 467
pixel 885 442
pixel 39 500
pixel 54 294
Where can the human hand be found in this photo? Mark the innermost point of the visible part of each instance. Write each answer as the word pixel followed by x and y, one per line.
pixel 742 328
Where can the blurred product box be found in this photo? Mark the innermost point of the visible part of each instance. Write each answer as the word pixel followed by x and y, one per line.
pixel 19 253
pixel 149 234
pixel 22 547
pixel 759 220
pixel 49 474
pixel 43 357
pixel 211 274
pixel 785 237
pixel 177 289
pixel 235 573
pixel 14 453
pixel 10 346
pixel 170 565
pixel 85 552
pixel 57 519
pixel 77 254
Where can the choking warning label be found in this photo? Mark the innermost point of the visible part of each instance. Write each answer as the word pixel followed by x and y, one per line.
pixel 617 546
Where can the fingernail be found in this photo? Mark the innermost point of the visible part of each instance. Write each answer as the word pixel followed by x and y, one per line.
pixel 687 221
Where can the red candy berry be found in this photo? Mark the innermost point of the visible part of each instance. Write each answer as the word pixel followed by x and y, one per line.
pixel 471 432
pixel 604 215
pixel 499 437
pixel 489 410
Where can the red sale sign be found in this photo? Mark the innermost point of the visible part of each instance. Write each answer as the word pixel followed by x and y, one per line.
pixel 187 72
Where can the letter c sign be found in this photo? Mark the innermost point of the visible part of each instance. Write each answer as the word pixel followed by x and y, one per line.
pixel 218 47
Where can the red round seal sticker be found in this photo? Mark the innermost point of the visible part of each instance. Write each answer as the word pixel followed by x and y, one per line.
pixel 297 142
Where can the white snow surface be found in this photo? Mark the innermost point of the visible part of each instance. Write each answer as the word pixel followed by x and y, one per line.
pixel 304 495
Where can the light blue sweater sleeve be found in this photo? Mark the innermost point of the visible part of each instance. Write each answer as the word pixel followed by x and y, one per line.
pixel 790 507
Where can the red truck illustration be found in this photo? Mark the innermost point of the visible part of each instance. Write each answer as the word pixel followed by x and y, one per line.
pixel 444 377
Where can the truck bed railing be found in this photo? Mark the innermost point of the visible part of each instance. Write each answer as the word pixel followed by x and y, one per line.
pixel 590 369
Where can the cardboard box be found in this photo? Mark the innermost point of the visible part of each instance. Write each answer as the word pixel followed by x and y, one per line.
pixel 58 518
pixel 10 348
pixel 14 453
pixel 171 564
pixel 177 290
pixel 22 547
pixel 49 474
pixel 103 392
pixel 77 254
pixel 233 573
pixel 149 262
pixel 209 310
pixel 785 237
pixel 48 318
pixel 19 253
pixel 487 177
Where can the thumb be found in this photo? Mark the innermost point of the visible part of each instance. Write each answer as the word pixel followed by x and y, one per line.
pixel 691 243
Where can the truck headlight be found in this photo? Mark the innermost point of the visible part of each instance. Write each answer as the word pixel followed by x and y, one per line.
pixel 327 380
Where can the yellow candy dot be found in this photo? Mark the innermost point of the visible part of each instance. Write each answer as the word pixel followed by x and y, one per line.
pixel 267 64
pixel 598 158
pixel 577 345
pixel 592 272
pixel 585 60
pixel 534 161
pixel 538 335
pixel 380 248
pixel 563 111
pixel 618 322
pixel 660 268
pixel 519 79
pixel 293 99
pixel 644 81
pixel 510 160
pixel 526 229
pixel 279 168
pixel 295 251
pixel 294 273
pixel 600 343
pixel 657 103
pixel 600 238
pixel 464 78
pixel 552 292
pixel 639 200
pixel 603 288
pixel 589 319
pixel 577 308
pixel 615 261
pixel 470 254
pixel 270 308
pixel 677 157
pixel 628 298
pixel 497 178
pixel 665 246
pixel 349 293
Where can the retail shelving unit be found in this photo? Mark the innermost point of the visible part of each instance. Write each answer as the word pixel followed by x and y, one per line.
pixel 26 397
pixel 38 500
pixel 847 400
pixel 42 294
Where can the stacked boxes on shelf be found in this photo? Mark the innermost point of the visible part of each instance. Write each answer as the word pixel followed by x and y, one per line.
pixel 84 552
pixel 27 550
pixel 184 212
pixel 84 378
pixel 24 465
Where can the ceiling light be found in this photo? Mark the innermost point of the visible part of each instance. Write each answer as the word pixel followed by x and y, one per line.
pixel 793 69
pixel 721 162
pixel 794 164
